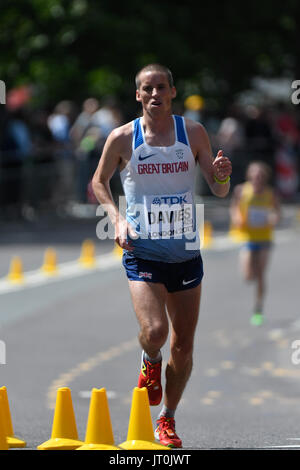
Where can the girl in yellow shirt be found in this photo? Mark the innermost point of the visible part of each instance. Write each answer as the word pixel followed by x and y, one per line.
pixel 254 211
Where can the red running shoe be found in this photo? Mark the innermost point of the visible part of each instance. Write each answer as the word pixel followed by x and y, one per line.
pixel 165 432
pixel 150 377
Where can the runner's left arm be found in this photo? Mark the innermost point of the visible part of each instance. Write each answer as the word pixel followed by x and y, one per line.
pixel 219 167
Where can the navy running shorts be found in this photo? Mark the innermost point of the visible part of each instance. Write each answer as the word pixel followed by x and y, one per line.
pixel 175 276
pixel 257 246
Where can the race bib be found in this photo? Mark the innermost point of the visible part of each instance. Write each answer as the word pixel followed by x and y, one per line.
pixel 257 217
pixel 169 216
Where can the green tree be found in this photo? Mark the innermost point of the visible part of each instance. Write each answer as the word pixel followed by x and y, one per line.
pixel 70 49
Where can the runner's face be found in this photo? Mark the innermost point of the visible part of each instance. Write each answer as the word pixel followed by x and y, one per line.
pixel 257 176
pixel 155 93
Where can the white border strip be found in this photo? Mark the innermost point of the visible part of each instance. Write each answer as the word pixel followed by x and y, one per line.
pixel 64 271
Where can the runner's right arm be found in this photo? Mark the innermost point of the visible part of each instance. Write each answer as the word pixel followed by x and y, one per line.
pixel 110 159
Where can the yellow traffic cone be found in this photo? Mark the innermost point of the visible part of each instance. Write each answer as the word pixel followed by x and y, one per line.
pixel 140 431
pixel 16 270
pixel 118 251
pixel 3 438
pixel 208 235
pixel 12 440
pixel 99 434
pixel 50 267
pixel 64 430
pixel 87 258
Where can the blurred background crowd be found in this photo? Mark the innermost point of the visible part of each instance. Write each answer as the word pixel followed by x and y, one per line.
pixel 48 157
pixel 69 67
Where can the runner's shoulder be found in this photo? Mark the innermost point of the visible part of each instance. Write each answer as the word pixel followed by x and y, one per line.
pixel 194 126
pixel 195 129
pixel 121 136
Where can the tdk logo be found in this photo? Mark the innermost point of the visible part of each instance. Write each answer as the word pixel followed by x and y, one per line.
pixel 156 200
pixel 170 200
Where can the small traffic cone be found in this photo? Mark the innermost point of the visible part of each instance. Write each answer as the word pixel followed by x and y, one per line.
pixel 16 270
pixel 64 431
pixel 140 431
pixel 99 434
pixel 50 266
pixel 3 438
pixel 87 258
pixel 12 440
pixel 207 234
pixel 118 251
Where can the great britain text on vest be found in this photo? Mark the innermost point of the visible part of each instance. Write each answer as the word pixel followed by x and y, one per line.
pixel 174 167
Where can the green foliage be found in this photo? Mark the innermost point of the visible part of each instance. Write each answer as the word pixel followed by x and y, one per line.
pixel 78 48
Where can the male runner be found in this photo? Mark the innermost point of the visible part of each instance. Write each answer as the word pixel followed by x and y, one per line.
pixel 157 155
pixel 254 211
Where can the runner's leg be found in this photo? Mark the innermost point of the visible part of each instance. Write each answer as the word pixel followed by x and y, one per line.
pixel 261 264
pixel 248 264
pixel 149 300
pixel 183 310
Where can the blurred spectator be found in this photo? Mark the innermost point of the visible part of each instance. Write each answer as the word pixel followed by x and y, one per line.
pixel 60 123
pixel 260 139
pixel 89 133
pixel 85 139
pixel 231 138
pixel 16 148
pixel 231 134
pixel 107 118
pixel 287 153
pixel 39 171
pixel 50 157
pixel 17 140
pixel 89 107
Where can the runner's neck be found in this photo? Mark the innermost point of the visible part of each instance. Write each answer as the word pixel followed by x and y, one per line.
pixel 159 131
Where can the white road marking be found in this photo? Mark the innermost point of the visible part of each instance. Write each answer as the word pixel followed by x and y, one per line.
pixel 65 271
pixel 275 334
pixel 111 394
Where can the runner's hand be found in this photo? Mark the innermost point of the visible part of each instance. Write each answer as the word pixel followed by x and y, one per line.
pixel 122 230
pixel 222 166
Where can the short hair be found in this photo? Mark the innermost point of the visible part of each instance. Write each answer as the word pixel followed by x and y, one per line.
pixel 155 68
pixel 264 167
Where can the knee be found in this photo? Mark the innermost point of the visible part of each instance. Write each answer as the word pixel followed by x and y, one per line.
pixel 155 334
pixel 182 353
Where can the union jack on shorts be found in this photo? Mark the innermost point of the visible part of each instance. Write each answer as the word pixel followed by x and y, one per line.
pixel 145 275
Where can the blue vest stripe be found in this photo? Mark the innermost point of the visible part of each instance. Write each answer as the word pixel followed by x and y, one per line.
pixel 181 137
pixel 138 137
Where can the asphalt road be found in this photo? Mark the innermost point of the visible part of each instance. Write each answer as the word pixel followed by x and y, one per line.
pixel 81 331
